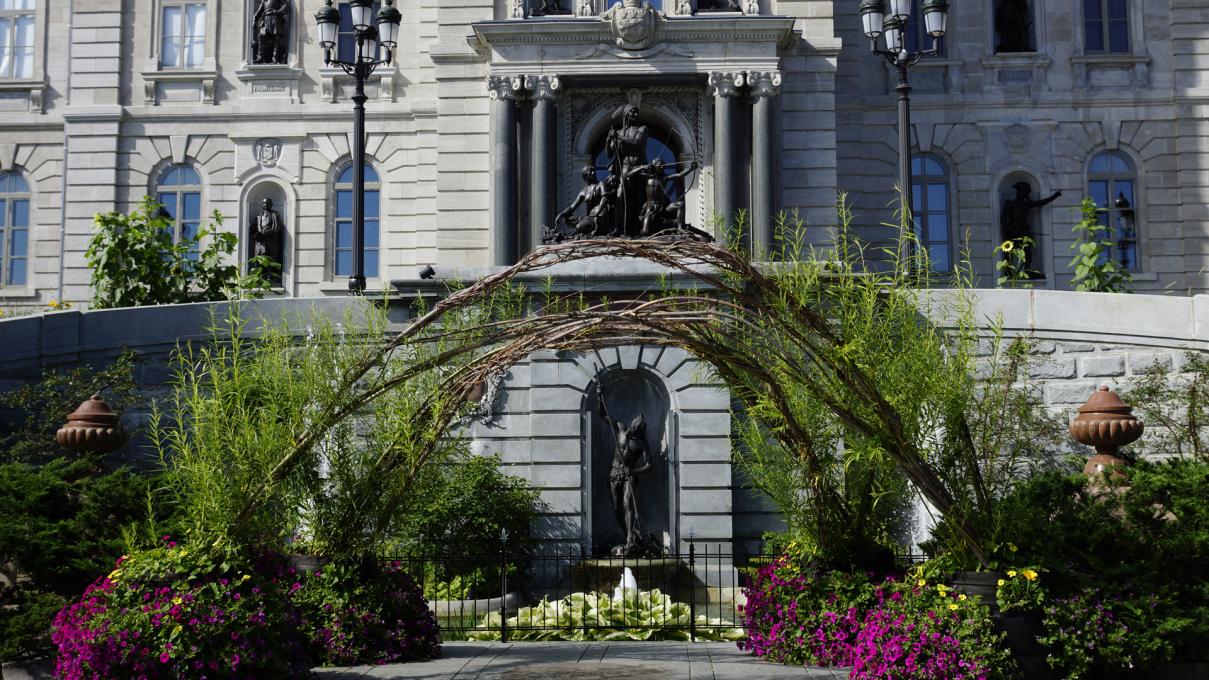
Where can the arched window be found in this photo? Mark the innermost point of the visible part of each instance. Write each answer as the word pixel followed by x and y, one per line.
pixel 930 210
pixel 179 194
pixel 1111 183
pixel 342 242
pixel 14 229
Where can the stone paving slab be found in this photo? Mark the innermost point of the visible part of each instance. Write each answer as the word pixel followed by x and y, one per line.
pixel 586 661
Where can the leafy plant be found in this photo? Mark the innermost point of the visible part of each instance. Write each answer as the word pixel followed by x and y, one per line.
pixel 173 612
pixel 881 629
pixel 1021 590
pixel 1175 408
pixel 1010 259
pixel 135 262
pixel 1095 271
pixel 1089 635
pixel 637 615
pixel 360 614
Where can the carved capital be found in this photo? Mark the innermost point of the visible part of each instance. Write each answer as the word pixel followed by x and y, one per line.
pixel 542 87
pixel 506 87
pixel 727 84
pixel 764 83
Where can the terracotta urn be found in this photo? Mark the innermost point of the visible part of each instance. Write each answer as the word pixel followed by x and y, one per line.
pixel 1106 423
pixel 92 428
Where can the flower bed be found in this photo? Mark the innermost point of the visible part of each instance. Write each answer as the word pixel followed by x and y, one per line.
pixel 887 629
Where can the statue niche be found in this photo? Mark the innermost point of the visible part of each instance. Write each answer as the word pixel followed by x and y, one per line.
pixel 271 32
pixel 266 237
pixel 631 512
pixel 1013 26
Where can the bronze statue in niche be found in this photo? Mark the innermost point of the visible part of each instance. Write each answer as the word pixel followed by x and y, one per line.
pixel 1014 220
pixel 631 457
pixel 268 231
pixel 1013 26
pixel 271 32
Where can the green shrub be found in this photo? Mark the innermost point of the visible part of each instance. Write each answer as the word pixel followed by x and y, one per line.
pixel 135 262
pixel 1095 271
pixel 26 615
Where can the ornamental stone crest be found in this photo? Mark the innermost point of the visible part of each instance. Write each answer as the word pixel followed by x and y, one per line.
pixel 633 23
pixel 267 151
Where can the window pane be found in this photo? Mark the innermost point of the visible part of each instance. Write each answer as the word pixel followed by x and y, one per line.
pixel 371 204
pixel 345 176
pixel 933 167
pixel 189 230
pixel 917 166
pixel 195 32
pixel 22 4
pixel 1121 164
pixel 3 216
pixel 25 31
pixel 168 201
pixel 1092 10
pixel 1117 9
pixel 939 256
pixel 6 47
pixel 1118 36
pixel 371 234
pixel 344 234
pixel 21 213
pixel 192 206
pixel 1124 186
pixel 1095 37
pixel 19 242
pixel 344 262
pixel 938 198
pixel 344 204
pixel 170 46
pixel 23 63
pixel 1101 163
pixel 371 264
pixel 938 228
pixel 16 272
pixel 187 175
pixel 1098 190
pixel 372 176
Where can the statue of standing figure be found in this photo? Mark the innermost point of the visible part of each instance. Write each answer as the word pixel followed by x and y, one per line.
pixel 627 148
pixel 631 457
pixel 267 231
pixel 1013 26
pixel 271 31
pixel 1015 222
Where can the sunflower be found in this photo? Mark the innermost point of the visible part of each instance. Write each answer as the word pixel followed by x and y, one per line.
pixel 1007 246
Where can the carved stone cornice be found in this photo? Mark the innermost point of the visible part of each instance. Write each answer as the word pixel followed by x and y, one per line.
pixel 542 86
pixel 727 84
pixel 506 87
pixel 764 83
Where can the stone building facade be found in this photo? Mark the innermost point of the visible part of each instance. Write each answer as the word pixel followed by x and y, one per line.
pixel 477 133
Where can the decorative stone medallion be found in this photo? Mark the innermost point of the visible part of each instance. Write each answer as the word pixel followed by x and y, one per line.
pixel 1016 138
pixel 633 23
pixel 267 152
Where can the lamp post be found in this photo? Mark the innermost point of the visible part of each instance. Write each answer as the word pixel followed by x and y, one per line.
pixel 894 25
pixel 367 38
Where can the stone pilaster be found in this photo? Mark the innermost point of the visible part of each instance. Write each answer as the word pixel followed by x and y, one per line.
pixel 504 232
pixel 543 165
pixel 764 88
pixel 726 163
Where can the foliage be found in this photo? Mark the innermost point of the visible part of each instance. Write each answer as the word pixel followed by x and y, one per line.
pixel 468 504
pixel 25 623
pixel 1010 261
pixel 1089 635
pixel 360 614
pixel 1095 271
pixel 1021 590
pixel 171 612
pixel 1174 408
pixel 881 629
pixel 134 261
pixel 636 615
pixel 43 405
pixel 1148 540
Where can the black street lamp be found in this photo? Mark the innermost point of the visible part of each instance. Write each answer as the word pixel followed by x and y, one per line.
pixel 894 26
pixel 365 60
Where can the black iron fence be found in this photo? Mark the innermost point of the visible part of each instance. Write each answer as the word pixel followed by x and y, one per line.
pixel 558 592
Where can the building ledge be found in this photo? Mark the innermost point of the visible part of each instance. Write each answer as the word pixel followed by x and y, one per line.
pixel 31 87
pixel 153 78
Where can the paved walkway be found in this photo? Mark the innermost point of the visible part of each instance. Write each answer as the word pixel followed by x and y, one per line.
pixel 586 661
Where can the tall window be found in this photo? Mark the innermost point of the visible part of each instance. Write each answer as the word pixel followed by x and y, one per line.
pixel 917 33
pixel 1106 25
pixel 179 192
pixel 16 38
pixel 1111 183
pixel 346 39
pixel 930 210
pixel 342 262
pixel 182 34
pixel 14 229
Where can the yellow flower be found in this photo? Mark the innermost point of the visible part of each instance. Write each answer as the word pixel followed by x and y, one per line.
pixel 941 588
pixel 962 597
pixel 184 552
pixel 1012 574
pixel 1029 574
pixel 177 600
pixel 952 607
pixel 177 630
pixel 113 575
pixel 921 583
pixel 245 578
pixel 1001 582
pixel 1012 547
pixel 1007 246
